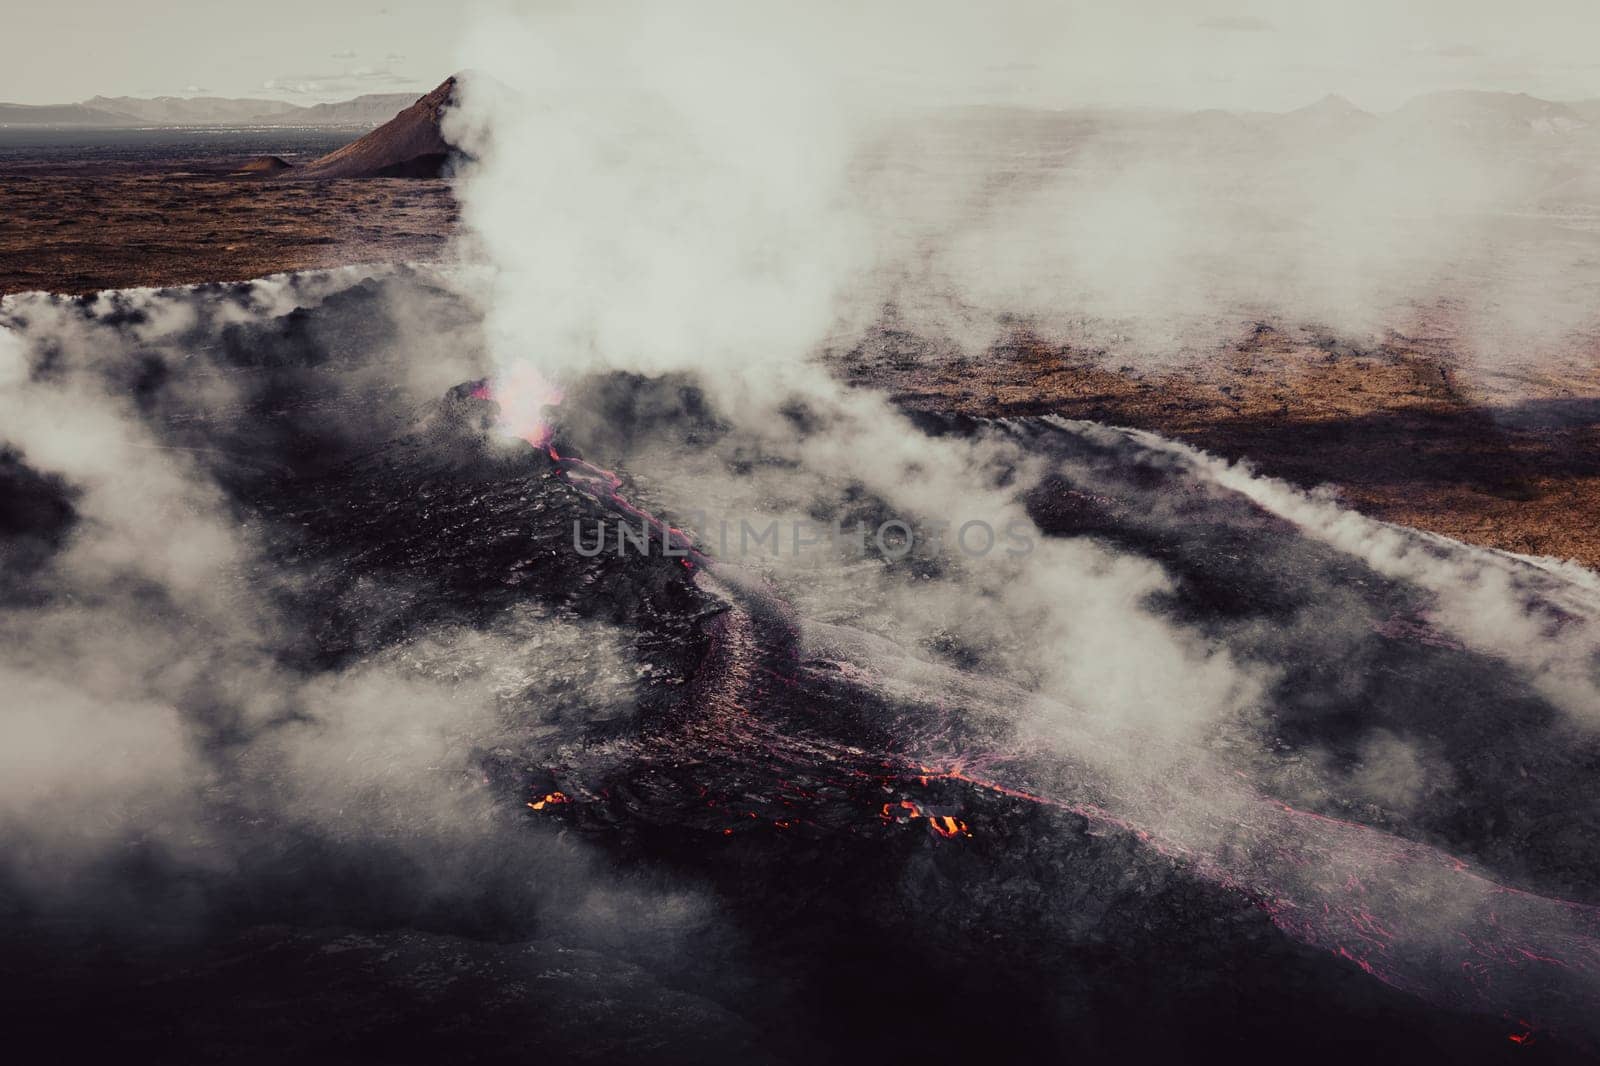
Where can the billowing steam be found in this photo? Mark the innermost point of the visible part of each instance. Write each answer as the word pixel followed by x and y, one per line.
pixel 703 192
pixel 673 212
pixel 1172 671
pixel 172 749
pixel 724 185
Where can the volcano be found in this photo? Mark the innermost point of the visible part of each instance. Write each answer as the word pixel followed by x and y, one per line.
pixel 722 811
pixel 410 145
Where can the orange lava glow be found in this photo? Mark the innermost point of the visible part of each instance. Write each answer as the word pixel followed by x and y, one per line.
pixel 523 393
pixel 550 799
pixel 943 825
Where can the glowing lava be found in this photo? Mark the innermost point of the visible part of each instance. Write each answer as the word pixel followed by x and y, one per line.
pixel 1407 914
pixel 523 396
pixel 944 825
pixel 523 393
pixel 603 485
pixel 551 799
pixel 1404 913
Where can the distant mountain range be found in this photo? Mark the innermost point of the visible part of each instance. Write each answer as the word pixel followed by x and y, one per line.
pixel 1490 121
pixel 1500 112
pixel 1468 111
pixel 1481 113
pixel 129 111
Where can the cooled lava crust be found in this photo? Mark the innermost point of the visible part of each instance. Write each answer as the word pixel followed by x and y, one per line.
pixel 873 908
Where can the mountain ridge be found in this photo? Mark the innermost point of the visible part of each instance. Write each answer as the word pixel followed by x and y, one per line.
pixel 370 109
pixel 1460 109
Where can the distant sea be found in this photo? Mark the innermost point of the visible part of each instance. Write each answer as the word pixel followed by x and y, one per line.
pixel 63 144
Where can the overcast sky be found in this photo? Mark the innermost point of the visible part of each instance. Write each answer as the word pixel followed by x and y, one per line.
pixel 1270 54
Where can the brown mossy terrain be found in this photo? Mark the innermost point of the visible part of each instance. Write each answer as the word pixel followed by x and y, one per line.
pixel 82 228
pixel 1407 431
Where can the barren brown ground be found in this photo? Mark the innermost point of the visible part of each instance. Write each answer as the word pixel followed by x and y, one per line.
pixel 84 228
pixel 1405 431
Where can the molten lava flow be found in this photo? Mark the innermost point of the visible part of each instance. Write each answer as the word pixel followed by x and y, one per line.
pixel 1409 915
pixel 523 395
pixel 602 485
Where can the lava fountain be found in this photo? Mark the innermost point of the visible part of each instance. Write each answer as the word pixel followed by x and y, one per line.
pixel 523 393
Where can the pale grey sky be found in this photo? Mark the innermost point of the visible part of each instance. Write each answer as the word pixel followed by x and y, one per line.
pixel 307 51
pixel 1271 54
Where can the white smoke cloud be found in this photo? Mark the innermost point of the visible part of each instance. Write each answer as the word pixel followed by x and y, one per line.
pixel 722 191
pixel 657 187
pixel 650 203
pixel 700 189
pixel 153 708
pixel 721 185
pixel 1076 657
pixel 1532 615
pixel 685 190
